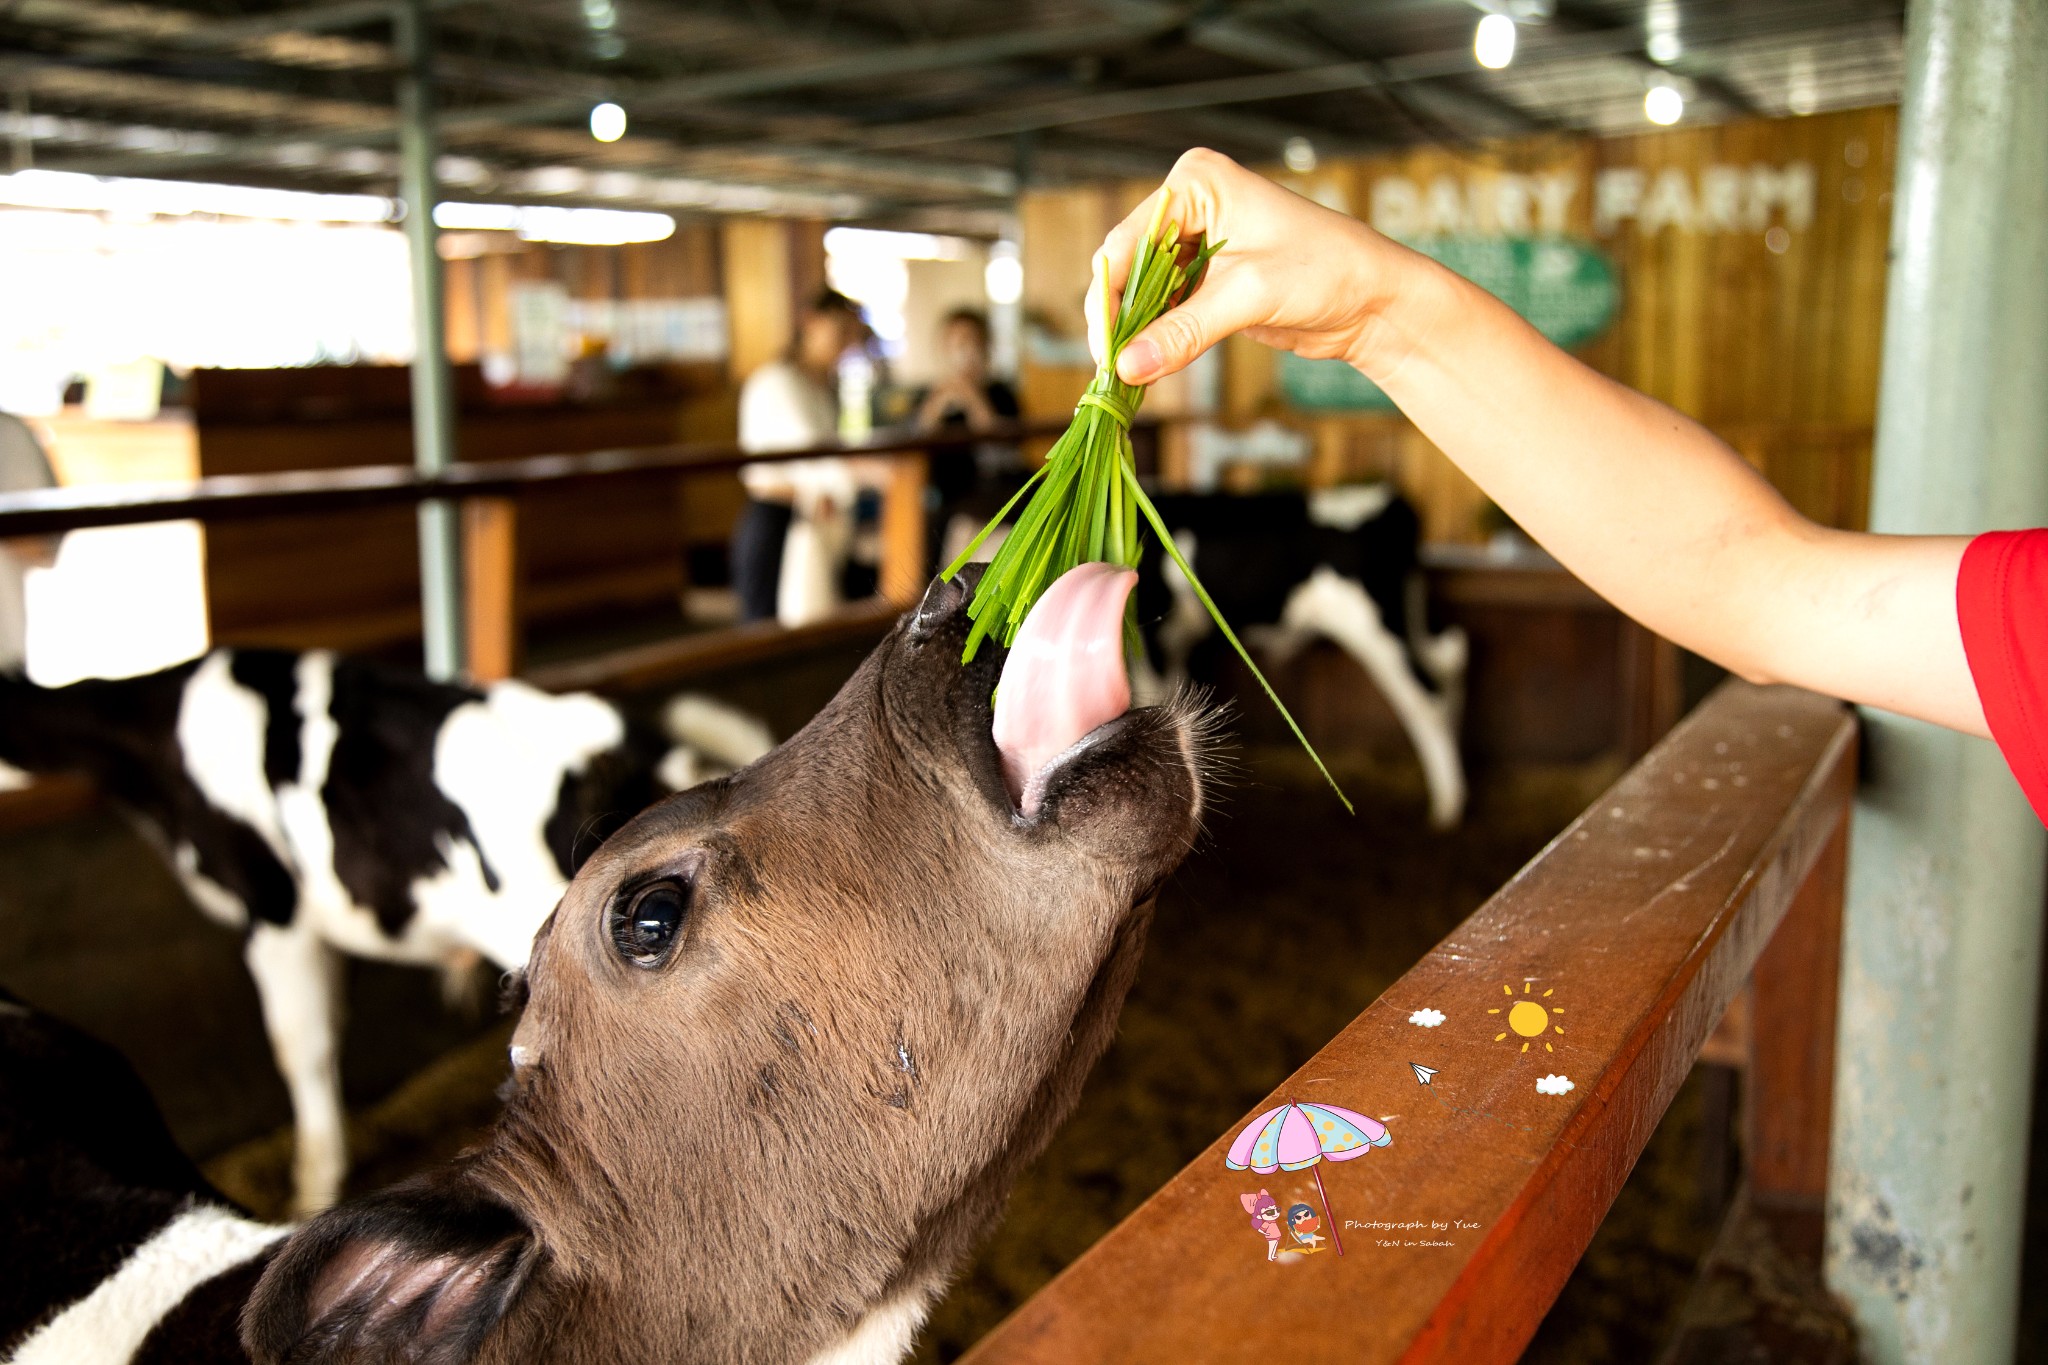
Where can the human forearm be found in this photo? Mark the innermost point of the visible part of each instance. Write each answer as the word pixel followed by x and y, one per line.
pixel 1660 517
pixel 1648 507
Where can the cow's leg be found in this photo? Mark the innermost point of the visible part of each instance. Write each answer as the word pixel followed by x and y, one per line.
pixel 1341 610
pixel 1444 655
pixel 1187 622
pixel 813 555
pixel 298 977
pixel 1148 686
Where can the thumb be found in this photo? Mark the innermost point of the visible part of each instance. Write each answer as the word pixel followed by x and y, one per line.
pixel 1174 339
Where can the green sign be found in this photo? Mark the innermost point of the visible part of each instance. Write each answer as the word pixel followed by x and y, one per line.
pixel 1567 289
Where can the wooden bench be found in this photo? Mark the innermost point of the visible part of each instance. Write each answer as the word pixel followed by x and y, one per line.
pixel 1714 866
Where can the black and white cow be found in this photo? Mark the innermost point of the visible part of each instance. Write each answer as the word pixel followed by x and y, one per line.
pixel 1287 568
pixel 330 805
pixel 116 1249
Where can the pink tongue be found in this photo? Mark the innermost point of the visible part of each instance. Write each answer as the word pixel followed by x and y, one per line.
pixel 1065 674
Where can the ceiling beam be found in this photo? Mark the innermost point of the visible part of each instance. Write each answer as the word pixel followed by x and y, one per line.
pixel 1258 46
pixel 1541 46
pixel 877 63
pixel 376 127
pixel 857 155
pixel 1354 75
pixel 1577 18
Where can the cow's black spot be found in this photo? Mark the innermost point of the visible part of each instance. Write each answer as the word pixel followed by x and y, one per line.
pixel 274 676
pixel 596 800
pixel 390 821
pixel 1252 552
pixel 88 1171
pixel 205 1327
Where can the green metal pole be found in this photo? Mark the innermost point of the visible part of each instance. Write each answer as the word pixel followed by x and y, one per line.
pixel 433 393
pixel 1942 954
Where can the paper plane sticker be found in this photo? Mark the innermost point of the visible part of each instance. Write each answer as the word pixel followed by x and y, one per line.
pixel 1424 1074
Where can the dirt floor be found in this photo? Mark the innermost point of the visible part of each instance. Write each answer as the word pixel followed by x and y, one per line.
pixel 1259 954
pixel 1284 926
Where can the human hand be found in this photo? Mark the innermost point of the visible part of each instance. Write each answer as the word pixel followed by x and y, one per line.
pixel 1291 273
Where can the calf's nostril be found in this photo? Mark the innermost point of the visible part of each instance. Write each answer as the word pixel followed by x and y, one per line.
pixel 941 600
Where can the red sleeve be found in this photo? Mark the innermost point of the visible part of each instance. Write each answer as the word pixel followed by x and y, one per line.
pixel 2002 606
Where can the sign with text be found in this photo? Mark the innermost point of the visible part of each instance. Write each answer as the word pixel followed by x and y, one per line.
pixel 1713 198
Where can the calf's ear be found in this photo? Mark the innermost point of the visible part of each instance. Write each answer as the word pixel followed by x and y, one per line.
pixel 419 1273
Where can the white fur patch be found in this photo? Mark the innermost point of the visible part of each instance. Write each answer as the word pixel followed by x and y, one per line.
pixel 1340 610
pixel 220 737
pixel 502 760
pixel 723 733
pixel 109 1325
pixel 882 1337
pixel 1349 506
pixel 216 900
pixel 302 812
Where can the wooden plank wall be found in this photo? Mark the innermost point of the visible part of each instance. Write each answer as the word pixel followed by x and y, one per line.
pixel 1770 338
pixel 351 580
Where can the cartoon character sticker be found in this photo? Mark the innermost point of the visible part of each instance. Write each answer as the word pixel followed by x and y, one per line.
pixel 1301 1225
pixel 1265 1219
pixel 1296 1136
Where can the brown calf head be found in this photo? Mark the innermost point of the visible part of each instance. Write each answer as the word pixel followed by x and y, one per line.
pixel 789 1038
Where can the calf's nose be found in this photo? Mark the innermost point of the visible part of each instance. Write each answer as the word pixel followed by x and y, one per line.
pixel 943 599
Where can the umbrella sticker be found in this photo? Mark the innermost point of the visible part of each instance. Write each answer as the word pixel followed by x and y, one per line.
pixel 1294 1137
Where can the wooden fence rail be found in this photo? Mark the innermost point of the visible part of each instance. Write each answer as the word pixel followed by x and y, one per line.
pixel 226 497
pixel 488 493
pixel 1606 962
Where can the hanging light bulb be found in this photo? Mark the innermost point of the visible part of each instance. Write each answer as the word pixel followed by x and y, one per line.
pixel 607 122
pixel 1663 105
pixel 1493 42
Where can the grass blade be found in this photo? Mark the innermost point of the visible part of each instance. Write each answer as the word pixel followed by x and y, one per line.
pixel 1085 503
pixel 1167 543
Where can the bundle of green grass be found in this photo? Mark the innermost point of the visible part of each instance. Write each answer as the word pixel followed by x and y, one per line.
pixel 1085 502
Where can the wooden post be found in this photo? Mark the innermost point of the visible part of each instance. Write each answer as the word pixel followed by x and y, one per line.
pixel 1651 688
pixel 490 582
pixel 1792 1040
pixel 904 566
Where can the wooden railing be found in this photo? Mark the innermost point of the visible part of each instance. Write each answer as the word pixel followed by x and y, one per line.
pixel 488 494
pixel 1715 864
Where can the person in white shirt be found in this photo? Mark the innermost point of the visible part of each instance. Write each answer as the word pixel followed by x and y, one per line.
pixel 790 542
pixel 23 466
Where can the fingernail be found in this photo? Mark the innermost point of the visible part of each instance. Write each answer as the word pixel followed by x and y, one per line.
pixel 1138 361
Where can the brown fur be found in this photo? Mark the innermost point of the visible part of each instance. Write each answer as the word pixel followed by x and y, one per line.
pixel 885 996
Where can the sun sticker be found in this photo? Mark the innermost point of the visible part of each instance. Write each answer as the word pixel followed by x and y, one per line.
pixel 1529 1018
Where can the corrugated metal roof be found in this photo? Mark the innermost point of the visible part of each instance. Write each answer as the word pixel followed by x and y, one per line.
pixel 880 107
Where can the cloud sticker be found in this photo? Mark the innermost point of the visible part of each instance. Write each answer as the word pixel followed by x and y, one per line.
pixel 1427 1018
pixel 1553 1085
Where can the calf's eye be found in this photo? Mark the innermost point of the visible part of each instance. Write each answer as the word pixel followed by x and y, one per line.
pixel 646 924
